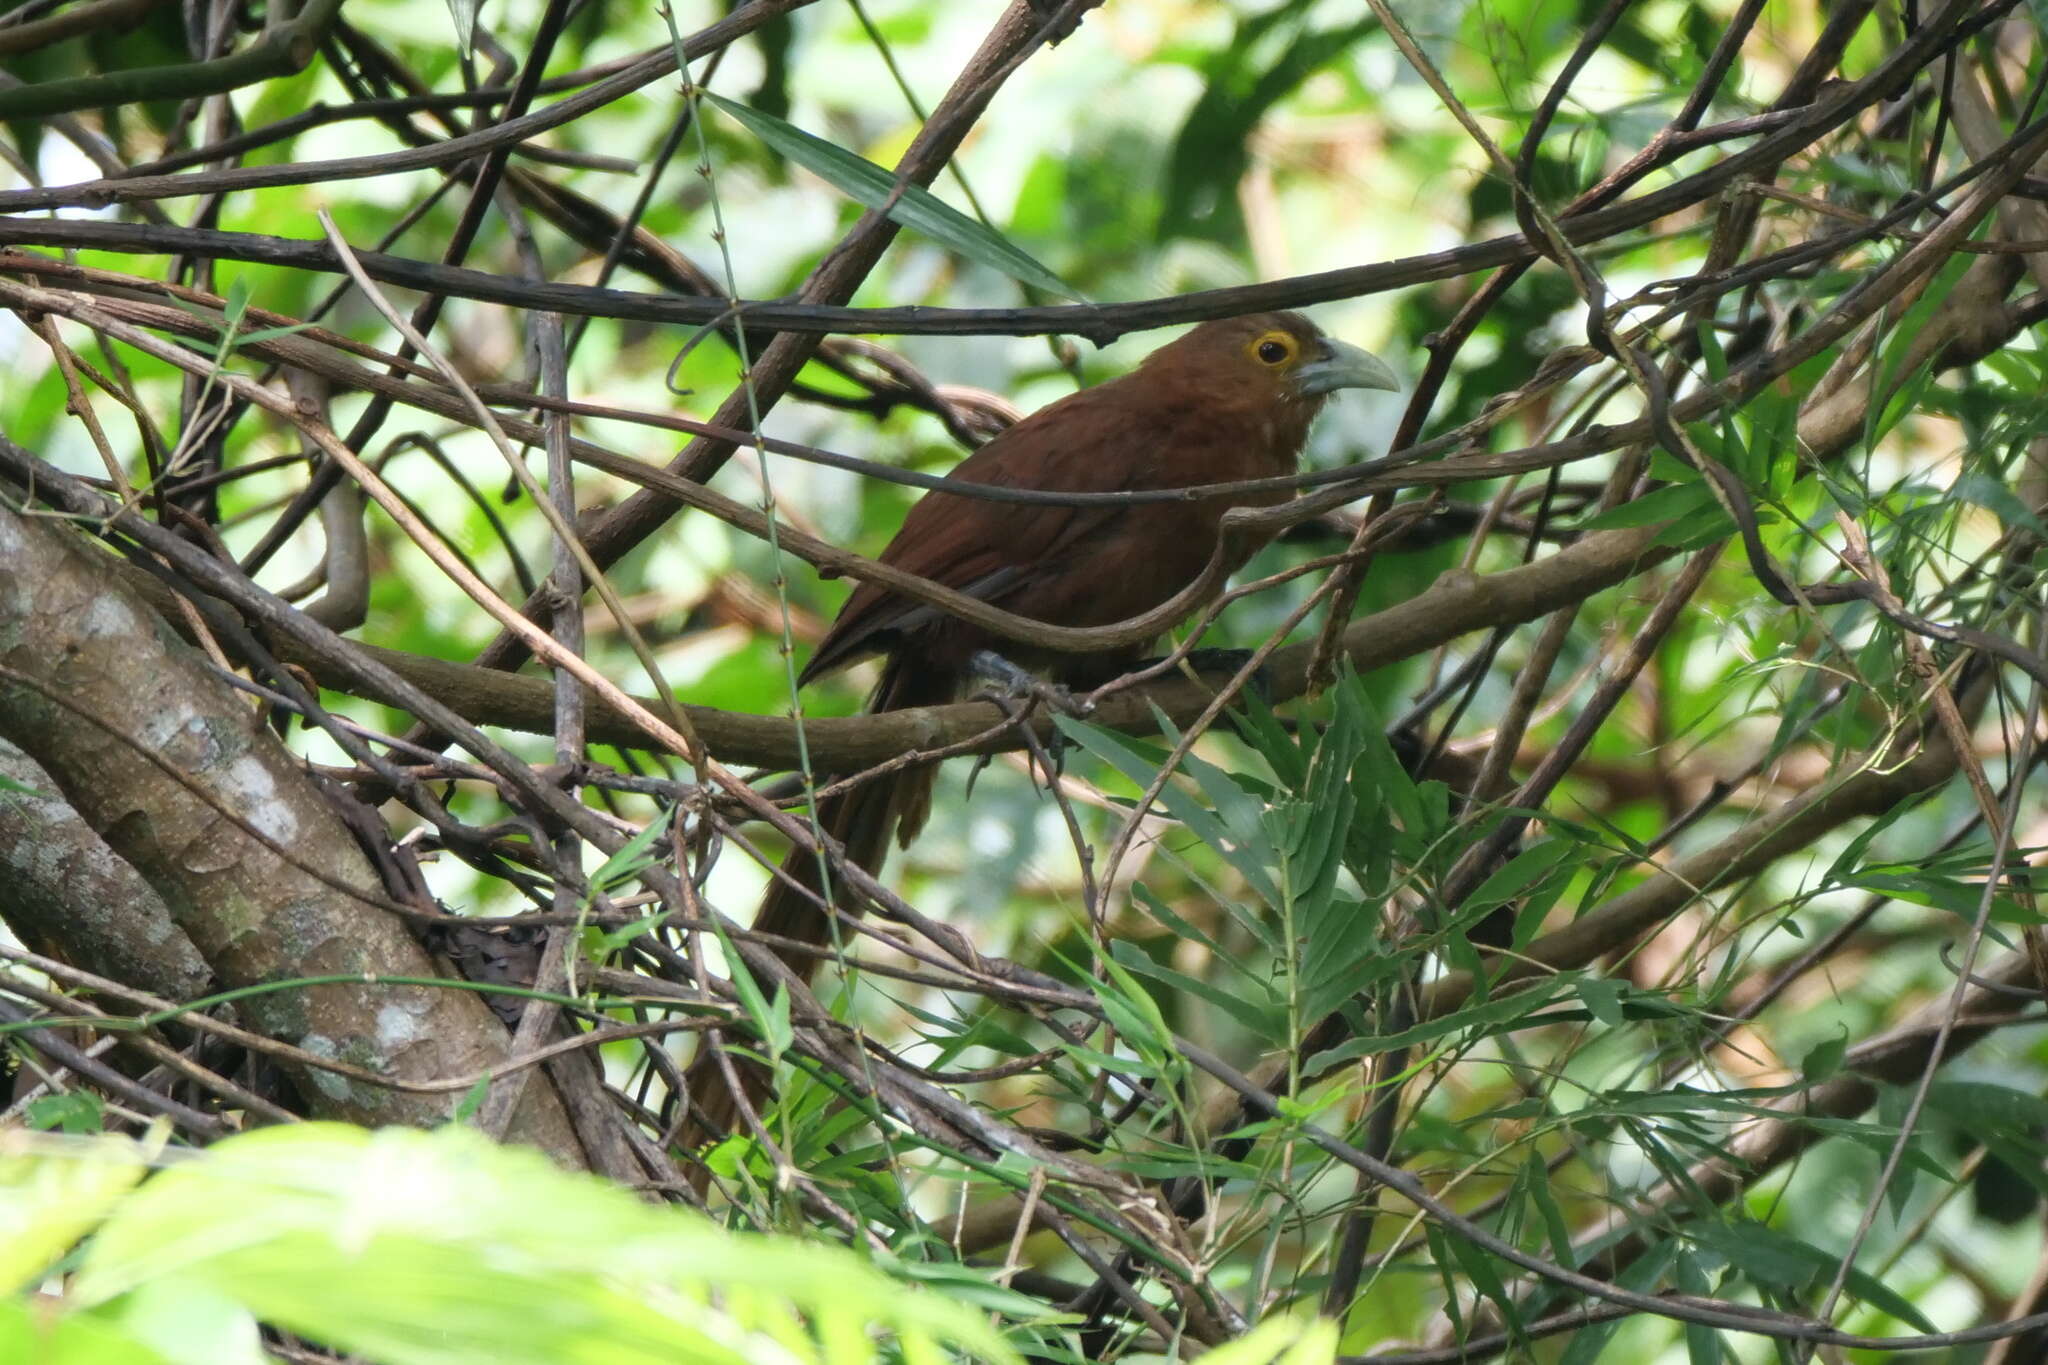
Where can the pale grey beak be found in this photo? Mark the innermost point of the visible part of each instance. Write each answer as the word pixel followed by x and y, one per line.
pixel 1341 365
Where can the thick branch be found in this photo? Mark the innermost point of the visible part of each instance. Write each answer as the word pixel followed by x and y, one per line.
pixel 71 896
pixel 154 753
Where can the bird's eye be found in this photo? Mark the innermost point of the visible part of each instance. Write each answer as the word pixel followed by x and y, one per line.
pixel 1274 351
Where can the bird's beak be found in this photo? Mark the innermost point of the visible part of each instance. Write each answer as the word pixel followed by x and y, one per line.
pixel 1341 365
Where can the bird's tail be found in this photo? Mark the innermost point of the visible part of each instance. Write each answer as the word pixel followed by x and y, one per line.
pixel 861 822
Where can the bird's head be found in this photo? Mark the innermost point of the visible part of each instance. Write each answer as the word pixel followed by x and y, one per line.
pixel 1279 360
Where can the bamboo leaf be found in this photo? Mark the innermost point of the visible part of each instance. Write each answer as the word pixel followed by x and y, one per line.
pixel 916 208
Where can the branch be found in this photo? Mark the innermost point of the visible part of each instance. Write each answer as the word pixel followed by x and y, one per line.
pixel 74 633
pixel 283 50
pixel 69 892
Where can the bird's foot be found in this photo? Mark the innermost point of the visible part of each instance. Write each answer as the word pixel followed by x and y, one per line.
pixel 1007 687
pixel 1007 682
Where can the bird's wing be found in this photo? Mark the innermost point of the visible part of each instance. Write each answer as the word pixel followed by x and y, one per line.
pixel 1088 442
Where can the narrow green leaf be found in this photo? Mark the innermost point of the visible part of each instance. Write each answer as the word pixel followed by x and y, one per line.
pixel 73 1339
pixel 266 333
pixel 633 855
pixel 1981 490
pixel 760 1013
pixel 1944 893
pixel 1246 855
pixel 1536 1184
pixel 1518 872
pixel 1982 1107
pixel 464 12
pixel 1588 1343
pixel 1480 1269
pixel 916 208
pixel 1710 351
pixel 1480 1017
pixel 1658 505
pixel 1136 1015
pixel 780 1033
pixel 1445 1258
pixel 71 1111
pixel 236 305
pixel 1702 1343
pixel 473 1099
pixel 1259 1022
pixel 1769 1256
pixel 1176 922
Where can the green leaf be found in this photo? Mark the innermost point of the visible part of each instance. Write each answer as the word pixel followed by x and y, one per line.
pixel 473 1099
pixel 1535 1184
pixel 267 333
pixel 1279 1340
pixel 1131 1008
pixel 1346 954
pixel 1261 1023
pixel 1674 503
pixel 1985 1108
pixel 1176 922
pixel 1852 855
pixel 779 1031
pixel 1239 809
pixel 600 945
pixel 1823 1060
pixel 916 208
pixel 464 12
pixel 635 854
pixel 1702 1343
pixel 1588 1344
pixel 235 306
pixel 74 1111
pixel 1249 856
pixel 29 1334
pixel 1520 871
pixel 1715 358
pixel 1777 1259
pixel 1981 490
pixel 47 1202
pixel 760 1013
pixel 1943 893
pixel 443 1248
pixel 190 1323
pixel 1479 1268
pixel 1482 1018
pixel 1444 1257
pixel 1603 999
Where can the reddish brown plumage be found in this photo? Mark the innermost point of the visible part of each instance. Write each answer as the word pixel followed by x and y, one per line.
pixel 1229 400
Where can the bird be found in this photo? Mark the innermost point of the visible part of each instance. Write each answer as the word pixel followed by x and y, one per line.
pixel 1228 400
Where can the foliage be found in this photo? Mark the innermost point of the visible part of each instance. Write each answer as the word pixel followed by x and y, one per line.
pixel 428 1247
pixel 1615 957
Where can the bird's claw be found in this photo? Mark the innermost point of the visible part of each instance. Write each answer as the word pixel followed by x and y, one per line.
pixel 1007 682
pixel 1008 685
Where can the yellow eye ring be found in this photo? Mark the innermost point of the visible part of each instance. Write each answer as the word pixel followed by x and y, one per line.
pixel 1274 348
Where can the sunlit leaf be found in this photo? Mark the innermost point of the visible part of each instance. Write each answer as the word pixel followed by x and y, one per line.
pixel 910 205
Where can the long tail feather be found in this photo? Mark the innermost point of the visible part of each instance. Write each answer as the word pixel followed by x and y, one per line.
pixel 862 823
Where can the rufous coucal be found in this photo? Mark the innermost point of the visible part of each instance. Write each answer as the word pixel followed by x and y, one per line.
pixel 1227 401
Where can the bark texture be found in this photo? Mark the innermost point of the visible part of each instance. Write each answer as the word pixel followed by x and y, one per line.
pixel 175 772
